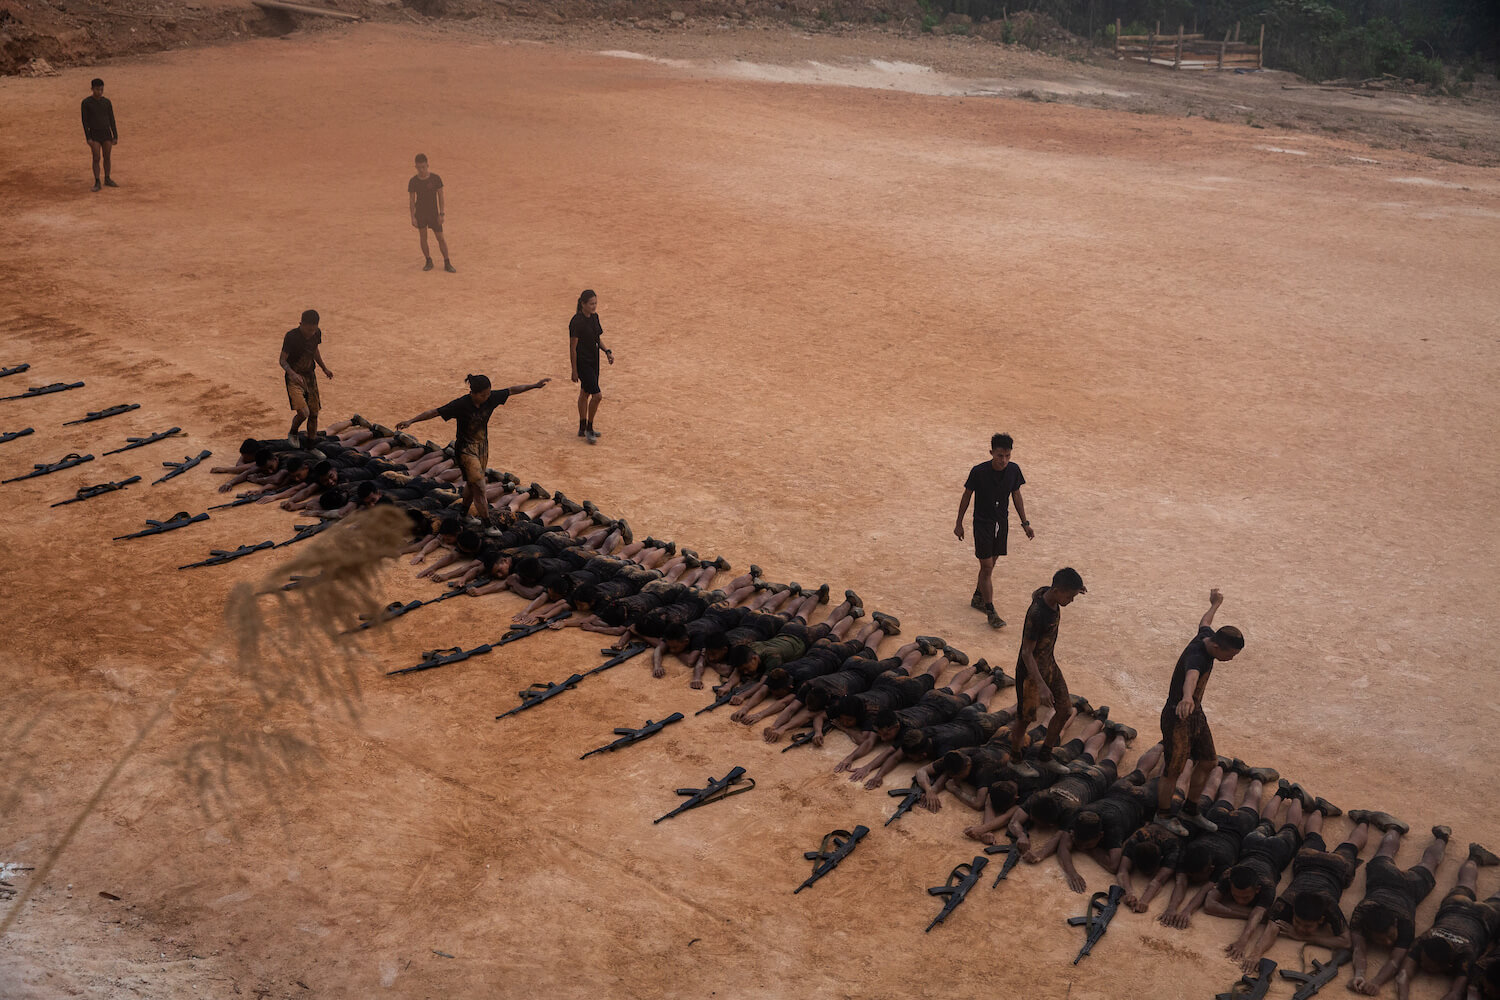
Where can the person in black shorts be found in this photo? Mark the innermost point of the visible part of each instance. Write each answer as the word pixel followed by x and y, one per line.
pixel 1386 917
pixel 424 194
pixel 585 341
pixel 1101 828
pixel 301 357
pixel 1460 934
pixel 1184 727
pixel 1248 889
pixel 471 415
pixel 1309 910
pixel 993 486
pixel 1091 775
pixel 1200 860
pixel 1039 680
pixel 99 129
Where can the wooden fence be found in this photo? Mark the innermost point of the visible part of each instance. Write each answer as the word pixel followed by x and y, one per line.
pixel 1181 51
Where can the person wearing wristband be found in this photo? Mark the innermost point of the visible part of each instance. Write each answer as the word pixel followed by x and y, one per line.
pixel 993 486
pixel 585 341
pixel 425 200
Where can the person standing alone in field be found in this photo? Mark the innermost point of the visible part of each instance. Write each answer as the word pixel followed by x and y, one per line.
pixel 301 356
pixel 424 194
pixel 99 129
pixel 993 486
pixel 584 344
pixel 471 441
pixel 1184 727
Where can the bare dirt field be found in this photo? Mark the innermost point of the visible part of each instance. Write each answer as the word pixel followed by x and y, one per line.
pixel 1252 358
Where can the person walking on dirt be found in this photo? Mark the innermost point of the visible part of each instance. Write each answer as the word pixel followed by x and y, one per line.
pixel 1184 727
pixel 584 344
pixel 301 356
pixel 1039 680
pixel 993 486
pixel 471 414
pixel 99 129
pixel 424 194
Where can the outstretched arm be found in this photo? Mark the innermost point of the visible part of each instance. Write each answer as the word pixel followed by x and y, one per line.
pixel 517 389
pixel 424 415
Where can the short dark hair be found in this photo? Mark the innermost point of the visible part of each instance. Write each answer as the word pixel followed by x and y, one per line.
pixel 421 158
pixel 584 593
pixel 449 524
pixel 716 640
pixel 1003 795
pixel 1067 578
pixel 1001 441
pixel 1309 906
pixel 1378 919
pixel 1435 948
pixel 309 316
pixel 96 82
pixel 1196 857
pixel 528 568
pixel 249 446
pixel 263 456
pixel 817 700
pixel 333 498
pixel 365 489
pixel 320 470
pixel 1145 855
pixel 478 383
pixel 557 583
pixel 583 297
pixel 293 464
pixel 953 763
pixel 1087 826
pixel 886 718
pixel 1243 877
pixel 739 656
pixel 778 680
pixel 468 541
pixel 1229 637
pixel 675 632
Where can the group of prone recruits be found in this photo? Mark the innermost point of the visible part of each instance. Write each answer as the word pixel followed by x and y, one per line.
pixel 1064 800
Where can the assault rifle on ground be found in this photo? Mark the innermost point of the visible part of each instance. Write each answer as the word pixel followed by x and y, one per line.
pixel 723 698
pixel 800 740
pixel 522 631
pixel 1247 988
pixel 238 501
pixel 629 736
pixel 18 369
pixel 141 442
pixel 396 608
pixel 716 790
pixel 42 390
pixel 911 794
pixel 178 468
pixel 836 846
pixel 619 657
pixel 1096 917
pixel 1012 858
pixel 97 490
pixel 960 880
pixel 12 435
pixel 112 411
pixel 305 531
pixel 47 468
pixel 538 693
pixel 181 519
pixel 1321 975
pixel 441 658
pixel 218 557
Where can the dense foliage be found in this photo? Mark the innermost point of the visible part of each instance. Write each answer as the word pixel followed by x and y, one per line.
pixel 1319 39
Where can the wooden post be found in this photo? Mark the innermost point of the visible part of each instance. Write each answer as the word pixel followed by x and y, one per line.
pixel 1236 31
pixel 1177 61
pixel 1260 52
pixel 1222 46
pixel 1117 38
pixel 1151 46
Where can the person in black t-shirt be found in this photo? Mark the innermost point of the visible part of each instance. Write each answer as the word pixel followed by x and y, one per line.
pixel 584 345
pixel 1460 933
pixel 1039 680
pixel 1184 727
pixel 301 357
pixel 471 414
pixel 425 200
pixel 99 129
pixel 1387 915
pixel 993 486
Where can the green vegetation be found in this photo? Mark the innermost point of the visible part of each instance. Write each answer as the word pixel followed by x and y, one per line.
pixel 1318 39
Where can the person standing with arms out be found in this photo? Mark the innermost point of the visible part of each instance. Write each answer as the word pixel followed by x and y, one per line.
pixel 993 486
pixel 584 344
pixel 301 356
pixel 471 414
pixel 424 194
pixel 99 129
pixel 1184 727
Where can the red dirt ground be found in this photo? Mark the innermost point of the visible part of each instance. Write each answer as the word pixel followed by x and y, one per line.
pixel 1224 364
